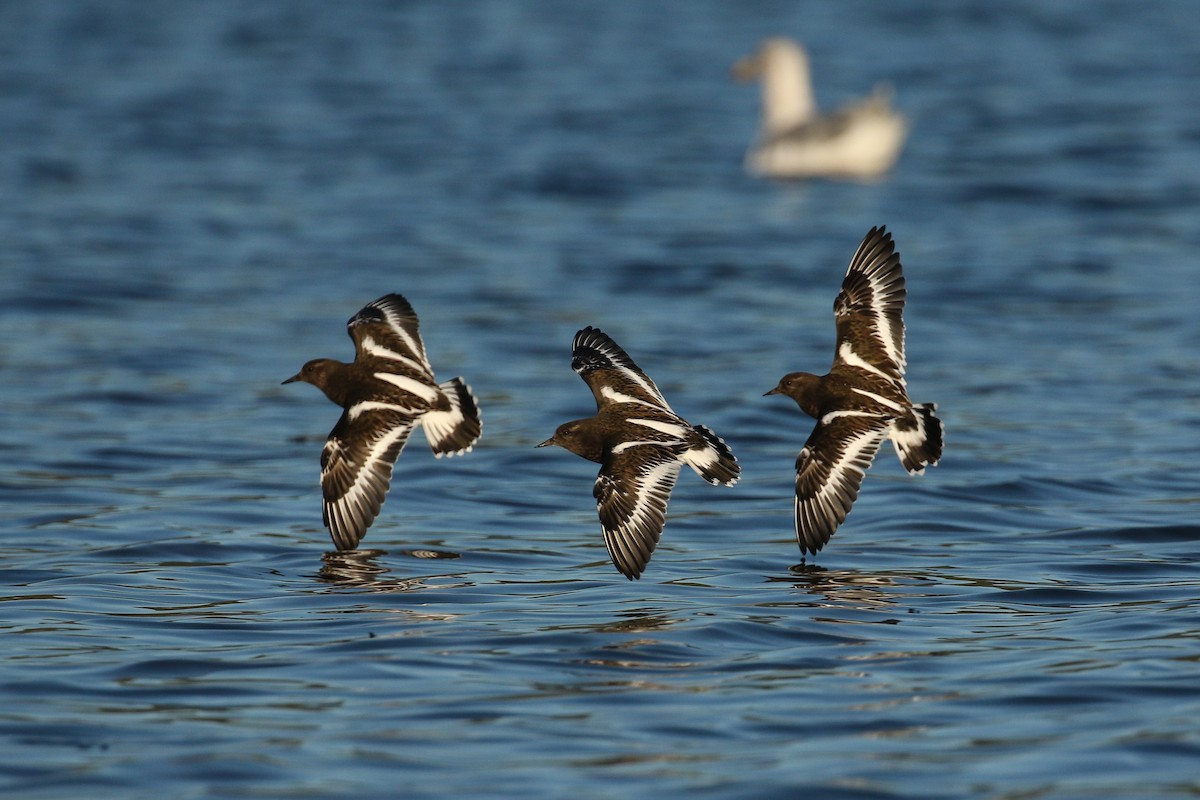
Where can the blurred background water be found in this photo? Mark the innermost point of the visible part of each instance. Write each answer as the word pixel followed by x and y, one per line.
pixel 196 196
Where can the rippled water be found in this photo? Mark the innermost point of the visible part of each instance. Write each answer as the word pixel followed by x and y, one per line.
pixel 197 196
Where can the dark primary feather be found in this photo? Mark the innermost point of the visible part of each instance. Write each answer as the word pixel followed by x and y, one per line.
pixel 632 492
pixel 829 471
pixel 389 322
pixel 869 309
pixel 354 483
pixel 601 362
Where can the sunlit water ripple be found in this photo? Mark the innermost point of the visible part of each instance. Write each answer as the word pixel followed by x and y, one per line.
pixel 197 197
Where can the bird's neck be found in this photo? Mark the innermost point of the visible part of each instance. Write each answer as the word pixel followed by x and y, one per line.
pixel 336 381
pixel 589 439
pixel 787 95
pixel 809 395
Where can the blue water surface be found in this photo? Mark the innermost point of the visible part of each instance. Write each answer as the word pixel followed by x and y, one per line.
pixel 194 197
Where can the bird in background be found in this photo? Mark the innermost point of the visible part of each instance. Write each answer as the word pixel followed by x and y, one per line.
pixel 384 393
pixel 861 140
pixel 640 444
pixel 863 398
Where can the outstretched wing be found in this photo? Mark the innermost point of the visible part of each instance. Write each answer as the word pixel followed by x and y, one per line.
pixel 829 471
pixel 356 470
pixel 610 373
pixel 387 330
pixel 870 309
pixel 631 492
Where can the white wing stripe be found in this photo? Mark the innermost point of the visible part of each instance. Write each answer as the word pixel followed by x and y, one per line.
pixel 411 385
pixel 886 327
pixel 608 393
pixel 657 481
pixel 397 326
pixel 623 446
pixel 853 459
pixel 373 348
pixel 354 411
pixel 361 488
pixel 852 359
pixel 669 428
pixel 883 401
pixel 646 384
pixel 633 375
pixel 832 415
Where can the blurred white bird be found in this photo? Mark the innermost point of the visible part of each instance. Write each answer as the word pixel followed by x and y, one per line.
pixel 860 140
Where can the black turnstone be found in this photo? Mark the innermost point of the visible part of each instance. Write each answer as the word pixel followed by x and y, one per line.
pixel 640 444
pixel 385 393
pixel 862 400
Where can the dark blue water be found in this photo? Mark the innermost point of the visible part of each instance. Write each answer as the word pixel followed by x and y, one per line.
pixel 194 197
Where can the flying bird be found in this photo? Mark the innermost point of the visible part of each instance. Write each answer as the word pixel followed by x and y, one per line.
pixel 640 444
pixel 860 140
pixel 862 400
pixel 384 393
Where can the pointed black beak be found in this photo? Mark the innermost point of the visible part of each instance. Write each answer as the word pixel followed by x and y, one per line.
pixel 547 443
pixel 773 391
pixel 292 379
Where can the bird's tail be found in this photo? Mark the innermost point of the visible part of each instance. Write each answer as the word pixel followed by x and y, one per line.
pixel 454 431
pixel 918 439
pixel 712 459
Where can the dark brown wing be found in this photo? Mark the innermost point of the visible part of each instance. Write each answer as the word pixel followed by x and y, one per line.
pixel 610 373
pixel 632 491
pixel 829 471
pixel 356 470
pixel 870 309
pixel 387 330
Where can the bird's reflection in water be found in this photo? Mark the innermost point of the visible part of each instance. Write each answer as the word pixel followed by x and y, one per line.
pixel 430 554
pixel 630 642
pixel 637 621
pixel 843 588
pixel 357 569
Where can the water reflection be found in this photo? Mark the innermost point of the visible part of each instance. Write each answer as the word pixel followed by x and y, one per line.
pixel 429 554
pixel 840 588
pixel 635 638
pixel 637 621
pixel 352 568
pixel 358 569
